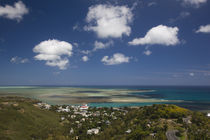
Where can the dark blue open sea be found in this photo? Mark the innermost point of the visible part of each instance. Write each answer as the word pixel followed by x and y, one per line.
pixel 191 97
pixel 194 98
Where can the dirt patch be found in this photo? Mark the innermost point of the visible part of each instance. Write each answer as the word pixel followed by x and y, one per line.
pixel 15 104
pixel 5 103
pixel 21 110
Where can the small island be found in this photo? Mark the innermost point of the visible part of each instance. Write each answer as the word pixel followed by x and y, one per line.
pixel 28 118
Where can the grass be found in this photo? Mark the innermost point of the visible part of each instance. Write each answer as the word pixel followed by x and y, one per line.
pixel 20 119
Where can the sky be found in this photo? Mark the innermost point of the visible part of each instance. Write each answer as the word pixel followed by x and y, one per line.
pixel 104 42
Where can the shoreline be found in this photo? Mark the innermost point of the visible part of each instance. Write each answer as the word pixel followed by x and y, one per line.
pixel 115 104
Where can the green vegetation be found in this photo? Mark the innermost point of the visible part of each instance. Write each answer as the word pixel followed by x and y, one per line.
pixel 22 118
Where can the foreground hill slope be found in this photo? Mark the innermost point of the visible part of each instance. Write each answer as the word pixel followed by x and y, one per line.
pixel 19 119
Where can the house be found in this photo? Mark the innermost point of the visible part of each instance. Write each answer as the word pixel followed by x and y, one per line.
pixel 62 118
pixel 60 109
pixel 108 122
pixel 47 106
pixel 84 107
pixel 73 116
pixel 43 105
pixel 93 131
pixel 71 131
pixel 96 113
pixel 187 120
pixel 128 131
pixel 65 110
pixel 208 114
pixel 152 134
pixel 114 117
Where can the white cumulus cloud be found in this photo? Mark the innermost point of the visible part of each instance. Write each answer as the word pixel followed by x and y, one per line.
pixel 85 58
pixel 116 59
pixel 162 35
pixel 100 45
pixel 109 21
pixel 204 29
pixel 15 12
pixel 195 3
pixel 147 52
pixel 54 52
pixel 18 60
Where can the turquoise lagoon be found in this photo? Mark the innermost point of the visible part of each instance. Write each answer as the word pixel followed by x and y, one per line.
pixel 195 98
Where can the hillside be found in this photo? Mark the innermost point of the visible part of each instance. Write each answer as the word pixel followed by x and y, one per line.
pixel 20 119
pixel 24 118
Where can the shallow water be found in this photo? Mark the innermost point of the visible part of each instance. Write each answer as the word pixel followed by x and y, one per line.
pixel 195 98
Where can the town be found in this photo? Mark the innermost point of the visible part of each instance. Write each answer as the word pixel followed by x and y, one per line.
pixel 79 115
pixel 82 121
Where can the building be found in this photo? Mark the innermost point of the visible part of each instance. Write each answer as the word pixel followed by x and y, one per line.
pixel 60 109
pixel 128 131
pixel 187 120
pixel 43 105
pixel 84 107
pixel 47 106
pixel 93 131
pixel 66 110
pixel 62 118
pixel 71 131
pixel 108 122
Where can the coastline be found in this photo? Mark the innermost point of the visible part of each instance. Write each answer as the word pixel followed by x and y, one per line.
pixel 192 98
pixel 27 118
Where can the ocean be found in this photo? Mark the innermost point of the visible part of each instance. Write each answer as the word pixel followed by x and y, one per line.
pixel 191 97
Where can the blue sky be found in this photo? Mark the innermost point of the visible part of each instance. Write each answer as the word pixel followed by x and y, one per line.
pixel 100 42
